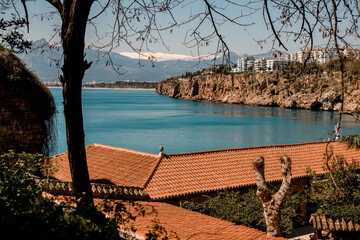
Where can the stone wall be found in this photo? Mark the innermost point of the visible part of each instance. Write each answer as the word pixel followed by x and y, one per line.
pixel 20 128
pixel 26 108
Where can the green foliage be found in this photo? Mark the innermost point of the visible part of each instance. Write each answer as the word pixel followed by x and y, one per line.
pixel 352 140
pixel 333 65
pixel 348 212
pixel 27 214
pixel 297 68
pixel 290 213
pixel 221 68
pixel 352 66
pixel 11 35
pixel 342 199
pixel 246 209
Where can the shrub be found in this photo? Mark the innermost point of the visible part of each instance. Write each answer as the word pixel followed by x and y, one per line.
pixel 246 209
pixel 337 193
pixel 25 213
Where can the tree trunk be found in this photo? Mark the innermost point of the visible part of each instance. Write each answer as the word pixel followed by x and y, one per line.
pixel 74 16
pixel 272 218
pixel 272 203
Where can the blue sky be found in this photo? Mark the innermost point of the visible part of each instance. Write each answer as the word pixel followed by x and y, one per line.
pixel 239 39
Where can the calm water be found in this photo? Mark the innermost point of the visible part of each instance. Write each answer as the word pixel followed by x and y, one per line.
pixel 144 120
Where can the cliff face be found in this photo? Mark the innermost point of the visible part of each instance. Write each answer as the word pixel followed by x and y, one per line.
pixel 308 92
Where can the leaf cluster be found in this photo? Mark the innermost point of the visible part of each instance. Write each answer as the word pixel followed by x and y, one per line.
pixel 246 209
pixel 25 213
pixel 11 35
pixel 338 196
pixel 299 68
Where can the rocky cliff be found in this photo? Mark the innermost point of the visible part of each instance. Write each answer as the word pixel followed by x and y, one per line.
pixel 318 91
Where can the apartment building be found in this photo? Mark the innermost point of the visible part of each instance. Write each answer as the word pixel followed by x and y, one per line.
pixel 319 55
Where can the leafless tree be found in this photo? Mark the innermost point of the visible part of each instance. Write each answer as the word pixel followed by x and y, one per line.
pixel 137 23
pixel 334 23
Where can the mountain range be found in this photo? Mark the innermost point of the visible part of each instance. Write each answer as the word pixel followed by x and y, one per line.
pixel 44 60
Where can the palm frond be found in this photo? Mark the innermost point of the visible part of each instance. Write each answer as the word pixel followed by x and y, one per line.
pixel 352 140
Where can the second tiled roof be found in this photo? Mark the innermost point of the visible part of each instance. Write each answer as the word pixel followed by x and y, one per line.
pixel 187 173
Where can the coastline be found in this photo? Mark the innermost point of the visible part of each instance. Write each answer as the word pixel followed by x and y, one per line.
pixel 99 88
pixel 312 91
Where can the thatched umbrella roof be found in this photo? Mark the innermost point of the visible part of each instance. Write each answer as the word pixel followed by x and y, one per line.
pixel 21 83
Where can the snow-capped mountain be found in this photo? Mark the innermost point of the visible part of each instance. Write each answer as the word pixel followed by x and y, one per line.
pixel 160 57
pixel 46 61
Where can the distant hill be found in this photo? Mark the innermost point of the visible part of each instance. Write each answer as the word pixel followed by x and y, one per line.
pixel 41 61
pixel 269 54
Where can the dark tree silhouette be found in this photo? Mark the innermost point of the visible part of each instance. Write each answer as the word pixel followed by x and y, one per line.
pixel 128 22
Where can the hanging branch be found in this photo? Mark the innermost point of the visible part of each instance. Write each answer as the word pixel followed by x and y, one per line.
pixel 276 34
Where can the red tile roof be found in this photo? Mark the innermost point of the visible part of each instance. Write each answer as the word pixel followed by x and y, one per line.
pixel 323 222
pixel 113 165
pixel 186 173
pixel 184 223
pixel 192 225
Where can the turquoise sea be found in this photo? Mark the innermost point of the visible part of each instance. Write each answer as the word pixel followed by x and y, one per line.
pixel 144 120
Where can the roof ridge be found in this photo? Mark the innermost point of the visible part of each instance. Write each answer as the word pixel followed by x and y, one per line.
pixel 153 171
pixel 123 149
pixel 246 148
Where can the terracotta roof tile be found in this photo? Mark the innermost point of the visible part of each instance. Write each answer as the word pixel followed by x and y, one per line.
pixel 186 173
pixel 185 223
pixel 112 165
pixel 192 225
pixel 323 222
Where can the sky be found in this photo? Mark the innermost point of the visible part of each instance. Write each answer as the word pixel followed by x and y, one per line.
pixel 237 38
pixel 240 39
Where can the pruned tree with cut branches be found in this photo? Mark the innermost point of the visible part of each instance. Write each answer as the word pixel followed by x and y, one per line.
pixel 271 203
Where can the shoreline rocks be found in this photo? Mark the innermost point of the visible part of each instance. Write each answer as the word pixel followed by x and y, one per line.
pixel 317 91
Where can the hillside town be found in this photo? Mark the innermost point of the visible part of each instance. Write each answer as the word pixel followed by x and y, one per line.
pixel 266 64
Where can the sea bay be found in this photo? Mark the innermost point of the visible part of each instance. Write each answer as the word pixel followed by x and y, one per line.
pixel 144 120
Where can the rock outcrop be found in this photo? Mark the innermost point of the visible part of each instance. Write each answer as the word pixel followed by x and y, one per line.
pixel 318 91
